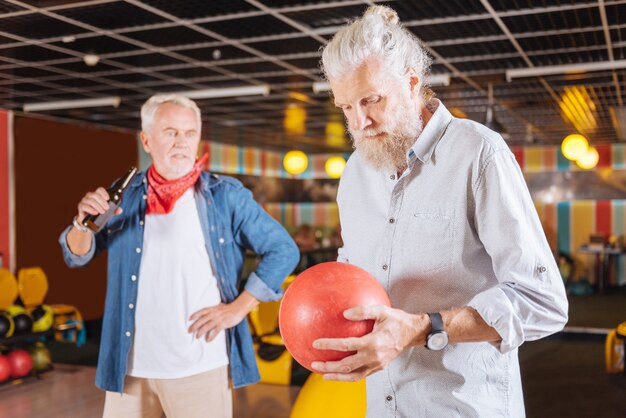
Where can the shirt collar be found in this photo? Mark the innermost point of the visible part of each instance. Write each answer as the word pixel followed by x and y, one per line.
pixel 426 142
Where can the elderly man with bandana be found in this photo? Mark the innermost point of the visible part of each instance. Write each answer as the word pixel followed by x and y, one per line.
pixel 174 325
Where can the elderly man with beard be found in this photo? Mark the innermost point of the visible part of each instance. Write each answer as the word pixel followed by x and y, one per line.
pixel 174 322
pixel 436 208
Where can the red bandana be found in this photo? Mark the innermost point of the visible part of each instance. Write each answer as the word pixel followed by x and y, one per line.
pixel 163 194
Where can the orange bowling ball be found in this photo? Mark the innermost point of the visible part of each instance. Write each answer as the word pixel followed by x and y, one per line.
pixel 313 307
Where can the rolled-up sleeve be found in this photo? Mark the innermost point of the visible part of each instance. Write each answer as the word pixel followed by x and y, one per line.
pixel 529 302
pixel 71 259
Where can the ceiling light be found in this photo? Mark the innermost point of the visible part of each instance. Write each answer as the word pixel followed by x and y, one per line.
pixel 295 119
pixel 299 96
pixel 91 59
pixel 295 162
pixel 574 146
pixel 334 166
pixel 589 159
pixel 442 79
pixel 564 69
pixel 263 89
pixel 73 104
pixel 579 109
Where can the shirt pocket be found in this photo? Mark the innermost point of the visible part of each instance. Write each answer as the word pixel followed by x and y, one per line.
pixel 115 225
pixel 433 236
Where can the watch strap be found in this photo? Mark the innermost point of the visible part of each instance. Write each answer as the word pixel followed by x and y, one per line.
pixel 436 322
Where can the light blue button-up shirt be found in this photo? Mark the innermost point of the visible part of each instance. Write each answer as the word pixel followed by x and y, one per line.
pixel 231 222
pixel 458 228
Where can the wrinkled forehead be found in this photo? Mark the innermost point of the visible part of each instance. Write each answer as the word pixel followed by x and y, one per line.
pixel 369 78
pixel 175 115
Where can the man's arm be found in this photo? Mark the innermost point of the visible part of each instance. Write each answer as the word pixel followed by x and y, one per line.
pixel 394 331
pixel 252 228
pixel 255 229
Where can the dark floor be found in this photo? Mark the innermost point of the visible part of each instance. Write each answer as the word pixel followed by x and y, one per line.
pixel 563 375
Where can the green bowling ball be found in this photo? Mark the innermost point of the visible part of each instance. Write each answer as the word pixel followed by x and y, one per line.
pixel 42 359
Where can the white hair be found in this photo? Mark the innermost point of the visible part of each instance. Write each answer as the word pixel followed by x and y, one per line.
pixel 151 105
pixel 379 35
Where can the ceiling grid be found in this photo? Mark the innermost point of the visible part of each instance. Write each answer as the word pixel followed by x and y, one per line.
pixel 150 46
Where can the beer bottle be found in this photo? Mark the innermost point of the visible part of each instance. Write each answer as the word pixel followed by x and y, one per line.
pixel 97 222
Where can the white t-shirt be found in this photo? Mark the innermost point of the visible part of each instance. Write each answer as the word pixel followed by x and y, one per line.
pixel 175 280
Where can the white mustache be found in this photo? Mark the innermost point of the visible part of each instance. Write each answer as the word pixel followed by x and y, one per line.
pixel 181 151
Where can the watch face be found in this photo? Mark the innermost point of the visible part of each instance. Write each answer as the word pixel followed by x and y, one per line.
pixel 437 340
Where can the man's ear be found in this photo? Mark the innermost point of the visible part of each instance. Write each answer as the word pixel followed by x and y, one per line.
pixel 144 142
pixel 415 83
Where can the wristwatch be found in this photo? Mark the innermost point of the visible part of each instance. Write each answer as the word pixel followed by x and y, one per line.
pixel 438 337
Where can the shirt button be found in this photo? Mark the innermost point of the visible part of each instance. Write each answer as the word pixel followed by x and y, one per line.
pixel 133 278
pixel 128 333
pixel 145 197
pixel 392 177
pixel 391 220
pixel 384 266
pixel 389 398
pixel 141 222
pixel 131 306
pixel 221 240
pixel 542 269
pixel 138 250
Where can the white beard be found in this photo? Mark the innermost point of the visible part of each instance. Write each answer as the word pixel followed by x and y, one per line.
pixel 389 151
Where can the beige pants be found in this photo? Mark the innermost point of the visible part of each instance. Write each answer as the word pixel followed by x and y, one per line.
pixel 203 395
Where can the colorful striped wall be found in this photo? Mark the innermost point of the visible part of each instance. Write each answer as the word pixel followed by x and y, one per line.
pixel 568 225
pixel 7 204
pixel 294 214
pixel 541 159
pixel 232 159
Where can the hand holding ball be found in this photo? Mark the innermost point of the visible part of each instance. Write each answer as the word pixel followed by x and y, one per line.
pixel 313 307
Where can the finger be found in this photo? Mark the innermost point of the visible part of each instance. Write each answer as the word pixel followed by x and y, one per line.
pixel 338 344
pixel 198 323
pixel 96 201
pixel 359 313
pixel 210 336
pixel 349 377
pixel 199 313
pixel 205 329
pixel 346 365
pixel 85 208
pixel 103 200
pixel 101 191
pixel 119 211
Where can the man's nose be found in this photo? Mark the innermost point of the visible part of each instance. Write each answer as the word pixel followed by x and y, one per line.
pixel 360 119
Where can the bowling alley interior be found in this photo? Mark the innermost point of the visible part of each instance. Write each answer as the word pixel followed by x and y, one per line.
pixel 273 137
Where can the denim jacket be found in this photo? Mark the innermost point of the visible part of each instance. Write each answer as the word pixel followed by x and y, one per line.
pixel 231 223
